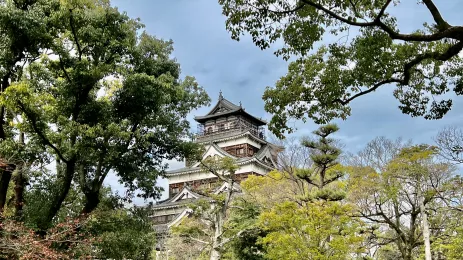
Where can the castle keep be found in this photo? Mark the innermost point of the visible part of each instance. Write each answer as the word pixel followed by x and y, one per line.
pixel 227 130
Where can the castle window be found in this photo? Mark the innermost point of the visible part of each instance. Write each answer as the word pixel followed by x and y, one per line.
pixel 221 127
pixel 240 151
pixel 175 190
pixel 209 130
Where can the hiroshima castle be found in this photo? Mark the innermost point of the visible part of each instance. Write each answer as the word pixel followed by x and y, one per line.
pixel 227 130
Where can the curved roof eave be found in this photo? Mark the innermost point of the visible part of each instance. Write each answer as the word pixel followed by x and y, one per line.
pixel 236 136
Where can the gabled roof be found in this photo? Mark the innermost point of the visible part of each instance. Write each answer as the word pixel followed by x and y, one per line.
pixel 225 107
pixel 214 149
pixel 185 193
pixel 266 151
pixel 181 198
pixel 224 187
pixel 219 151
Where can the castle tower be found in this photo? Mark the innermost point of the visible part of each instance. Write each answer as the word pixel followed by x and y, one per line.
pixel 227 130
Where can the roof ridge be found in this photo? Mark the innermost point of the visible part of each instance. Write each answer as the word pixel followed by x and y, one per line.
pixel 227 103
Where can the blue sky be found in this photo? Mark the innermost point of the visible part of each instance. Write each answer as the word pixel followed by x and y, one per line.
pixel 241 70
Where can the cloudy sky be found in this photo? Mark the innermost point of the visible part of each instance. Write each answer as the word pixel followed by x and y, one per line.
pixel 241 70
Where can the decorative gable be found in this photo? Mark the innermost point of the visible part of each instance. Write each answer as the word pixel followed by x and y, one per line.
pixel 220 109
pixel 185 194
pixel 225 187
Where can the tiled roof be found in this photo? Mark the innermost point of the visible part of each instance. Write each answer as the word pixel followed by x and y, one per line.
pixel 225 107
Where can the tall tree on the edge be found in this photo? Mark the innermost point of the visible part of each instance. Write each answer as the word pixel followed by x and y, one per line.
pixel 26 28
pixel 104 98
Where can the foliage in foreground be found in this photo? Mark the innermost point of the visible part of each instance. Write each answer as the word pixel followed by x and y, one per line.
pixel 111 231
pixel 392 200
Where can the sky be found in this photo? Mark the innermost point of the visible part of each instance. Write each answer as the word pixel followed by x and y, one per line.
pixel 205 50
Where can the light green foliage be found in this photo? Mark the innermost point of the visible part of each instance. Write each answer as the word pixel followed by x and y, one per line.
pixel 296 229
pixel 324 79
pixel 319 230
pixel 304 216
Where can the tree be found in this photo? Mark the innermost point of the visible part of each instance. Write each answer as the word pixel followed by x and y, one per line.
pixel 378 153
pixel 303 211
pixel 210 214
pixel 121 233
pixel 103 98
pixel 321 84
pixel 325 169
pixel 450 143
pixel 27 27
pixel 401 204
pixel 111 231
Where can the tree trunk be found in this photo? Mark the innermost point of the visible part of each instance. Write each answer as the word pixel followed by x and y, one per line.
pixel 6 171
pixel 65 184
pixel 219 218
pixel 19 183
pixel 92 199
pixel 426 233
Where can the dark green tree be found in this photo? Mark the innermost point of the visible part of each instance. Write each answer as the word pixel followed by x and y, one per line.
pixel 104 98
pixel 326 168
pixel 26 28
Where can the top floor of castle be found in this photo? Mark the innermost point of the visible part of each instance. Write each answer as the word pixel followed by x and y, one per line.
pixel 227 119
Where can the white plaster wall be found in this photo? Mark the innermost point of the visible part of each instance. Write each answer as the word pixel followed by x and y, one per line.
pixel 241 140
pixel 210 150
pixel 205 175
pixel 168 211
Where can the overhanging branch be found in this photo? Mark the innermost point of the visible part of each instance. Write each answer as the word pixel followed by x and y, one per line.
pixel 441 23
pixel 42 136
pixel 451 52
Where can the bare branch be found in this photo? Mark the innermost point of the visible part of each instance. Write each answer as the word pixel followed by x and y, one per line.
pixel 441 23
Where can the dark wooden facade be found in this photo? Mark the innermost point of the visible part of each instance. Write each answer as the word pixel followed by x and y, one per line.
pixel 209 183
pixel 241 150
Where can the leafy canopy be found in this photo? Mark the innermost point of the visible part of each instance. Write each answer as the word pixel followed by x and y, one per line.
pixel 325 79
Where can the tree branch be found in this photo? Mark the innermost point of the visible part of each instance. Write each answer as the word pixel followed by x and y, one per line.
pixel 74 34
pixel 284 12
pixel 225 241
pixel 377 85
pixel 383 9
pixel 213 171
pixel 442 25
pixel 64 69
pixel 451 52
pixel 336 16
pixel 453 32
pixel 198 240
pixel 40 134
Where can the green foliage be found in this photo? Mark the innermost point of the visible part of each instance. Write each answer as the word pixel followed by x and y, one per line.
pixel 323 79
pixel 319 230
pixel 326 170
pixel 304 216
pixel 122 233
pixel 243 220
pixel 102 96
